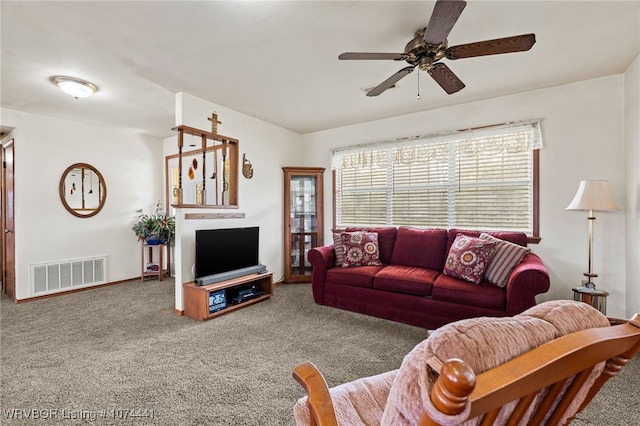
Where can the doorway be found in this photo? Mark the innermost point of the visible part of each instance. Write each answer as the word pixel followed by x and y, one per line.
pixel 7 266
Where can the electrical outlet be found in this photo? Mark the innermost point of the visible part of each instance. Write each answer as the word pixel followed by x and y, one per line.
pixel 584 282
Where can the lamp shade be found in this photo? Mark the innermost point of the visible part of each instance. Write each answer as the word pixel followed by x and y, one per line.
pixel 593 195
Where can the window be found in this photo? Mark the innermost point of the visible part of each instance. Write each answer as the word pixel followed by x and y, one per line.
pixel 481 179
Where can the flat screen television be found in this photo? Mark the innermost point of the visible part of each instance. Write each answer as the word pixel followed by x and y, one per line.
pixel 224 250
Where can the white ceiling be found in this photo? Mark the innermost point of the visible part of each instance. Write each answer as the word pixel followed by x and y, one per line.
pixel 277 60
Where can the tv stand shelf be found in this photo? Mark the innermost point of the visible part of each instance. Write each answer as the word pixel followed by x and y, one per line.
pixel 196 298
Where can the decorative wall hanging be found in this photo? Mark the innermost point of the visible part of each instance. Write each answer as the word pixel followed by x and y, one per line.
pixel 174 185
pixel 206 176
pixel 247 168
pixel 199 194
pixel 214 122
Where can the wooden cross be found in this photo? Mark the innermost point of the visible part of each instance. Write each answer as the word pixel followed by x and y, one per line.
pixel 214 122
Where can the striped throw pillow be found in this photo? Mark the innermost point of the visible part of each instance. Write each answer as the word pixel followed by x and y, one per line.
pixel 505 258
pixel 339 248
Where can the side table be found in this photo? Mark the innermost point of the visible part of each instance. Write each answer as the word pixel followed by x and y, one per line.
pixel 161 269
pixel 592 296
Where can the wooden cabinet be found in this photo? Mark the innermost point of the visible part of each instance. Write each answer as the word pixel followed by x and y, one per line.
pixel 303 220
pixel 212 300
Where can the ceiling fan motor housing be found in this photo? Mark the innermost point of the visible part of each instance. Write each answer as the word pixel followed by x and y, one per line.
pixel 422 54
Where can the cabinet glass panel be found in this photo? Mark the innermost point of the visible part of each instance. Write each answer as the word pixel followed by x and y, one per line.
pixel 303 204
pixel 304 221
pixel 300 246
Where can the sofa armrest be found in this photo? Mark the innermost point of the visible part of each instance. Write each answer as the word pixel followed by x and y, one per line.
pixel 527 279
pixel 321 259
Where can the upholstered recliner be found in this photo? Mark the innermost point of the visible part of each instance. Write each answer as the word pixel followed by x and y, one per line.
pixel 540 367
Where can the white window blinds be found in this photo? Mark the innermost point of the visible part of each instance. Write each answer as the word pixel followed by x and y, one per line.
pixel 476 179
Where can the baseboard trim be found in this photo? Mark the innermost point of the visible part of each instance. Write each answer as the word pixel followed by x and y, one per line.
pixel 73 290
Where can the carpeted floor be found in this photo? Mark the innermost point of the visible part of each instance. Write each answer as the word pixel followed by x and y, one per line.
pixel 118 355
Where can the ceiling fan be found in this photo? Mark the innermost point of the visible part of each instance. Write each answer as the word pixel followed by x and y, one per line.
pixel 429 46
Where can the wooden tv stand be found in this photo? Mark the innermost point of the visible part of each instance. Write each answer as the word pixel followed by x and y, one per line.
pixel 196 298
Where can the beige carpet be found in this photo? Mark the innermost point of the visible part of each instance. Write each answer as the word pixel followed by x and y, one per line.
pixel 118 355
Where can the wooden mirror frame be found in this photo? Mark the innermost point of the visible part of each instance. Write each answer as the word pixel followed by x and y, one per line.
pixel 102 188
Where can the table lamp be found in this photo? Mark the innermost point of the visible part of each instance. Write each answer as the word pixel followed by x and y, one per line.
pixel 593 195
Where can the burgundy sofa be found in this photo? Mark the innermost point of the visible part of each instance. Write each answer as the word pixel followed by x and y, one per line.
pixel 410 286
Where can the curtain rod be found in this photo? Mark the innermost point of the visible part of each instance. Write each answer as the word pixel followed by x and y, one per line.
pixel 435 135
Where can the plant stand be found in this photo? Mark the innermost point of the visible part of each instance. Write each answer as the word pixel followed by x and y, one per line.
pixel 162 270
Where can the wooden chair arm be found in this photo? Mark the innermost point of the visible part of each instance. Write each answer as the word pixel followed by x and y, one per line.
pixel 321 412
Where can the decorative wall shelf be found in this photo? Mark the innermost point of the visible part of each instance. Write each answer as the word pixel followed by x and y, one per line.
pixel 206 176
pixel 214 215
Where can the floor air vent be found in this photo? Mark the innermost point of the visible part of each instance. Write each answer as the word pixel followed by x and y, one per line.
pixel 61 276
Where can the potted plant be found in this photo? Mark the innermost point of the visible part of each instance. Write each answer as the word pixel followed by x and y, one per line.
pixel 156 228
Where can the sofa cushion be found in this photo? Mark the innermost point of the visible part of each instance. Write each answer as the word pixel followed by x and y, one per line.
pixel 505 258
pixel 406 279
pixel 483 343
pixel 455 290
pixel 425 248
pixel 360 249
pixel 361 276
pixel 519 238
pixel 468 258
pixel 386 240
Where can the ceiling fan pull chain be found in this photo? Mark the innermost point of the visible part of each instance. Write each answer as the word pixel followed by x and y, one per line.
pixel 418 97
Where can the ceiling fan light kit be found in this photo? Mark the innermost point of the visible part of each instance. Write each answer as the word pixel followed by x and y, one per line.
pixel 75 87
pixel 429 46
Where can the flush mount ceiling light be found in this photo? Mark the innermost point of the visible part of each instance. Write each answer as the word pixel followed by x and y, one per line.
pixel 75 87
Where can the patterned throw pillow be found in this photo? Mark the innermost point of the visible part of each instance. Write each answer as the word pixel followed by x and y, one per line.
pixel 360 249
pixel 338 248
pixel 506 257
pixel 468 258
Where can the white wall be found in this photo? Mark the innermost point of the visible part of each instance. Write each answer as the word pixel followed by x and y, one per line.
pixel 45 230
pixel 583 133
pixel 632 139
pixel 261 199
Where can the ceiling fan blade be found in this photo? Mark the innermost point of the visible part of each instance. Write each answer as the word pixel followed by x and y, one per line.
pixel 443 18
pixel 390 81
pixel 446 78
pixel 367 55
pixel 519 43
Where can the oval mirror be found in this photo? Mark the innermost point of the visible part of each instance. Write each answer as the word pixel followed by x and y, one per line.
pixel 82 190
